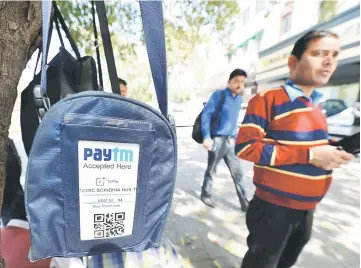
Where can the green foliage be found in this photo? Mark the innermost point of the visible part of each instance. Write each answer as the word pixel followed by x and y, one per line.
pixel 124 23
pixel 327 11
pixel 140 87
pixel 181 96
pixel 187 25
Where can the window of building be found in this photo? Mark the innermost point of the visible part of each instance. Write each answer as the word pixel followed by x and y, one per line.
pixel 286 23
pixel 259 42
pixel 327 11
pixel 245 16
pixel 286 19
pixel 260 5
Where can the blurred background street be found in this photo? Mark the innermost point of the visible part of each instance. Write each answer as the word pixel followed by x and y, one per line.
pixel 256 36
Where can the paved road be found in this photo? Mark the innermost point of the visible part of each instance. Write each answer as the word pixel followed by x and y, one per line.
pixel 217 237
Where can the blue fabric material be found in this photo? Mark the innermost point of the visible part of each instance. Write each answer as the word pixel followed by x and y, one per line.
pixel 52 178
pixel 51 185
pixel 152 16
pixel 295 92
pixel 228 115
pixel 46 13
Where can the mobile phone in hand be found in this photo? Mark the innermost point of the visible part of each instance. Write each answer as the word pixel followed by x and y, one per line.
pixel 350 144
pixel 214 147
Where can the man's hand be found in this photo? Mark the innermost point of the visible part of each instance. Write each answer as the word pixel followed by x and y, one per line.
pixel 328 157
pixel 208 144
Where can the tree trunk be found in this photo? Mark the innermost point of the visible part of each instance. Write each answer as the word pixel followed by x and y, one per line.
pixel 20 24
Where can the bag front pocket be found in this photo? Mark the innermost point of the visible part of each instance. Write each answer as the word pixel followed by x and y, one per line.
pixel 105 163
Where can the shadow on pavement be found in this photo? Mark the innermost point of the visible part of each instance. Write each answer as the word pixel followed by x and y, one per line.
pixel 220 233
pixel 195 240
pixel 217 237
pixel 336 235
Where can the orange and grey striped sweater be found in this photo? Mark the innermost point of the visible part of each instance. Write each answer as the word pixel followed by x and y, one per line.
pixel 279 127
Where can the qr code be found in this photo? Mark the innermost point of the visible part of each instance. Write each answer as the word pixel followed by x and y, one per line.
pixel 109 225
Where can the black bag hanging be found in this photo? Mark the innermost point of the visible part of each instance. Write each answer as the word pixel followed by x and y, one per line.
pixel 197 134
pixel 66 75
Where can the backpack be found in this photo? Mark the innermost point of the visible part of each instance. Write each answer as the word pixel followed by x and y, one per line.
pixel 197 134
pixel 102 167
pixel 65 75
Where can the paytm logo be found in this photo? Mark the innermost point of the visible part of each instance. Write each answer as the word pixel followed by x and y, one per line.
pixel 115 154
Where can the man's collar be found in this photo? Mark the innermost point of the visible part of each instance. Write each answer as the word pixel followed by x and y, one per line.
pixel 228 91
pixel 231 94
pixel 294 92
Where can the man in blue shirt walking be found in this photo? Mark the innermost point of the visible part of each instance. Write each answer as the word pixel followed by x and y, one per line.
pixel 220 140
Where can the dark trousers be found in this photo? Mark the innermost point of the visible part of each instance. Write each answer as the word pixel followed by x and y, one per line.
pixel 277 235
pixel 224 149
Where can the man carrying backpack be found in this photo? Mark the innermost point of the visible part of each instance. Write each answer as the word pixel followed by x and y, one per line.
pixel 219 134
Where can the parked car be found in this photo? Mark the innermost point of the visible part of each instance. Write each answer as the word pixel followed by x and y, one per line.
pixel 344 118
pixel 356 113
pixel 345 123
pixel 331 107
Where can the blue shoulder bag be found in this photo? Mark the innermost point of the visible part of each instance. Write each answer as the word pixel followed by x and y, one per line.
pixel 102 167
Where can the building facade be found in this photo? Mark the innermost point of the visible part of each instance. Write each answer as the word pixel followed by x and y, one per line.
pixel 270 29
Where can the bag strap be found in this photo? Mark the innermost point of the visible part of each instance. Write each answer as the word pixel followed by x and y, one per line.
pixel 37 62
pixel 220 104
pixel 58 18
pixel 41 100
pixel 46 20
pixel 58 30
pixel 108 49
pixel 46 33
pixel 96 44
pixel 153 26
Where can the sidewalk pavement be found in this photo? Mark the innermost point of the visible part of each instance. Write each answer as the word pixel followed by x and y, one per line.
pixel 216 237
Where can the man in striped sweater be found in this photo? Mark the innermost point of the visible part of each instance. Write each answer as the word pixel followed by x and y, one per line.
pixel 285 135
